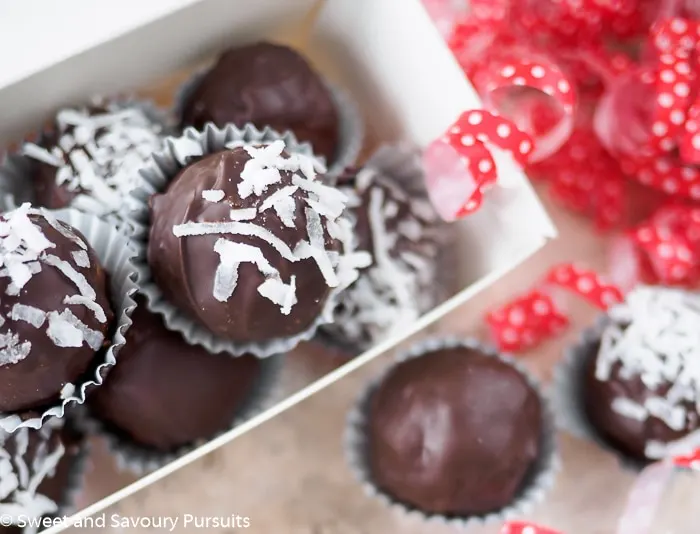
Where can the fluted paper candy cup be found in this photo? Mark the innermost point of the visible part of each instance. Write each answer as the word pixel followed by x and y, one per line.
pixel 138 127
pixel 139 459
pixel 568 396
pixel 158 174
pixel 115 255
pixel 539 479
pixel 350 124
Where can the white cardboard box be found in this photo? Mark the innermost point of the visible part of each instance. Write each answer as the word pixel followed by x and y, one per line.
pixel 386 52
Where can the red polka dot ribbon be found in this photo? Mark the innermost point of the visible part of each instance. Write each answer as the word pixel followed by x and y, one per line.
pixel 525 527
pixel 664 249
pixel 460 165
pixel 649 118
pixel 534 317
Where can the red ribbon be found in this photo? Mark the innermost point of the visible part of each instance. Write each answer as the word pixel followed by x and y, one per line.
pixel 525 527
pixel 662 250
pixel 532 318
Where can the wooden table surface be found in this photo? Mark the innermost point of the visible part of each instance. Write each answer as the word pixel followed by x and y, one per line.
pixel 289 475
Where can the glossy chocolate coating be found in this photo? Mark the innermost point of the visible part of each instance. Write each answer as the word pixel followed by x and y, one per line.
pixel 184 267
pixel 268 85
pixel 164 393
pixel 453 432
pixel 37 380
pixel 628 435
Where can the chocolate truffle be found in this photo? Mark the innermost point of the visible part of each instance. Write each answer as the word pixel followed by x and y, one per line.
pixel 54 312
pixel 268 85
pixel 164 393
pixel 37 469
pixel 91 157
pixel 453 432
pixel 642 382
pixel 399 230
pixel 249 244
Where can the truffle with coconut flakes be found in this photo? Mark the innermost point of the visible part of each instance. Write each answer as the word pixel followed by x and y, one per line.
pixel 37 469
pixel 251 243
pixel 54 312
pixel 400 232
pixel 91 157
pixel 642 382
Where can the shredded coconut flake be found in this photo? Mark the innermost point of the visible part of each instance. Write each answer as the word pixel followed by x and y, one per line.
pixel 28 314
pixel 247 214
pixel 81 258
pixel 63 332
pixel 231 256
pixel 213 195
pixel 94 307
pixel 280 293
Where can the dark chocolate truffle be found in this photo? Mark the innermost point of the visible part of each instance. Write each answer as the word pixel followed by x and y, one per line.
pixel 91 157
pixel 453 432
pixel 642 382
pixel 399 230
pixel 37 468
pixel 268 85
pixel 250 244
pixel 164 393
pixel 54 313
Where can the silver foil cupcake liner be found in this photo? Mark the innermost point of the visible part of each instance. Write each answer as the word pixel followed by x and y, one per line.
pixel 157 174
pixel 115 254
pixel 15 169
pixel 539 479
pixel 139 460
pixel 568 396
pixel 350 123
pixel 402 164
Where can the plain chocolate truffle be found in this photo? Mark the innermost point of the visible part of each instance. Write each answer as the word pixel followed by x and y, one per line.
pixel 453 432
pixel 250 243
pixel 268 85
pixel 164 393
pixel 55 313
pixel 399 229
pixel 641 384
pixel 91 157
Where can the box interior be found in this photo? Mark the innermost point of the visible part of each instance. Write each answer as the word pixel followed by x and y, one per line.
pixel 386 52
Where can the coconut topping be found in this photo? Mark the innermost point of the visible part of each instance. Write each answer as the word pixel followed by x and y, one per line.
pixel 260 172
pixel 392 291
pixel 655 335
pixel 98 155
pixel 23 469
pixel 24 252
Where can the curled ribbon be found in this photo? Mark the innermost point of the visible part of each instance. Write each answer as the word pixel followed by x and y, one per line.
pixel 530 319
pixel 664 249
pixel 649 119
